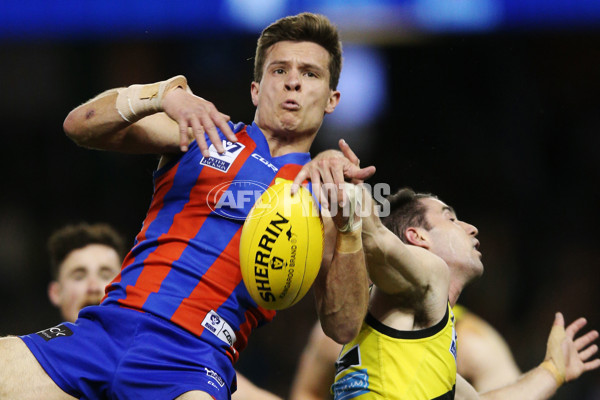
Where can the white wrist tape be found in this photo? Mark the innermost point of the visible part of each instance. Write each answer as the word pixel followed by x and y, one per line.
pixel 354 194
pixel 138 101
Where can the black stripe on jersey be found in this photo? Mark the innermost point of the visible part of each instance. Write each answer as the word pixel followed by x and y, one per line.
pixel 397 334
pixel 350 359
pixel 447 396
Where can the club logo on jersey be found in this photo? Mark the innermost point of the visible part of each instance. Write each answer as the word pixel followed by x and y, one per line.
pixel 222 162
pixel 55 332
pixel 453 343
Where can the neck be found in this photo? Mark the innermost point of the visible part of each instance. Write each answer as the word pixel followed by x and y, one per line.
pixel 284 142
pixel 454 291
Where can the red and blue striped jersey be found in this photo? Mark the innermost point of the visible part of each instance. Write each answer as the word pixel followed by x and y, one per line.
pixel 185 259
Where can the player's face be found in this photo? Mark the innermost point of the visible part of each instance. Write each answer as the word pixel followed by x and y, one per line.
pixel 453 240
pixel 82 278
pixel 294 93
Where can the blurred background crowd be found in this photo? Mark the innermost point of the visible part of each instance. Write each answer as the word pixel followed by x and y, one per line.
pixel 494 105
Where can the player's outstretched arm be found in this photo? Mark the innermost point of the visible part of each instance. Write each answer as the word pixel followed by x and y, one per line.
pixel 341 288
pixel 483 356
pixel 567 358
pixel 157 118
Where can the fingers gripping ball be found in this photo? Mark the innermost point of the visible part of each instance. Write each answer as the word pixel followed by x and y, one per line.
pixel 281 246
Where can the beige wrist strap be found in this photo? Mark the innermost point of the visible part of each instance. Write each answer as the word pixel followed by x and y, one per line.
pixel 555 360
pixel 138 101
pixel 549 366
pixel 348 242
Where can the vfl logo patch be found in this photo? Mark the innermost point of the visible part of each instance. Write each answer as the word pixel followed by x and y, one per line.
pixel 218 327
pixel 352 385
pixel 53 333
pixel 222 162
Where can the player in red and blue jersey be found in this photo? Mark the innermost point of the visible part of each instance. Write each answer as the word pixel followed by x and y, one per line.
pixel 173 322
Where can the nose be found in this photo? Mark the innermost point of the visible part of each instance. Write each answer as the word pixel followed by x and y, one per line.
pixel 94 285
pixel 292 81
pixel 470 229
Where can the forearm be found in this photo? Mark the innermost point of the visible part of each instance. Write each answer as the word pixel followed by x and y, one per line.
pixel 537 384
pixel 342 289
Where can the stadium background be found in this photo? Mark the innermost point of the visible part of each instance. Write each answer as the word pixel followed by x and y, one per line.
pixel 491 104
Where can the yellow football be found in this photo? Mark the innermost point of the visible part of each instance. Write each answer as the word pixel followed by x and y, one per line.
pixel 281 246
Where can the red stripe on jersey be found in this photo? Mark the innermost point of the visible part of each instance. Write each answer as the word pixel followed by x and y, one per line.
pixel 251 321
pixel 162 184
pixel 185 226
pixel 162 187
pixel 288 171
pixel 216 286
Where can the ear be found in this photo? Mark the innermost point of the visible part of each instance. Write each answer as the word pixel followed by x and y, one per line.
pixel 254 89
pixel 417 237
pixel 334 100
pixel 54 293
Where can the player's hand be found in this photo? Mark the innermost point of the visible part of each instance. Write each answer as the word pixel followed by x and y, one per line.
pixel 328 172
pixel 196 117
pixel 569 356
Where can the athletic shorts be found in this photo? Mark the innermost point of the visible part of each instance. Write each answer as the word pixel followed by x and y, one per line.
pixel 122 354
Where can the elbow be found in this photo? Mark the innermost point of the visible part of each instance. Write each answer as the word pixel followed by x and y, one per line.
pixel 71 127
pixel 343 334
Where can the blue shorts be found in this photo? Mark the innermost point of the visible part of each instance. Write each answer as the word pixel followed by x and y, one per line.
pixel 119 353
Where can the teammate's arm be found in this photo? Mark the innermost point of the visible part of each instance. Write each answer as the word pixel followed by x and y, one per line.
pixel 483 356
pixel 316 369
pixel 158 118
pixel 566 359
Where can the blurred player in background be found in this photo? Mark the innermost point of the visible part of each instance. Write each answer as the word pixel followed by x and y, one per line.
pixel 84 258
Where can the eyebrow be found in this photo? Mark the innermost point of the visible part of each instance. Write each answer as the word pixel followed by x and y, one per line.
pixel 303 65
pixel 448 208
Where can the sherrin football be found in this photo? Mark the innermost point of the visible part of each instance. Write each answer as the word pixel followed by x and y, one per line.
pixel 281 246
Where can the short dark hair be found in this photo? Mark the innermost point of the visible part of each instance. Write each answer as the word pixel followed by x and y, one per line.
pixel 308 27
pixel 76 236
pixel 406 210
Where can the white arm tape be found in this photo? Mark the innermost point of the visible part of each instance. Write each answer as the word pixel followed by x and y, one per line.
pixel 138 101
pixel 354 194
